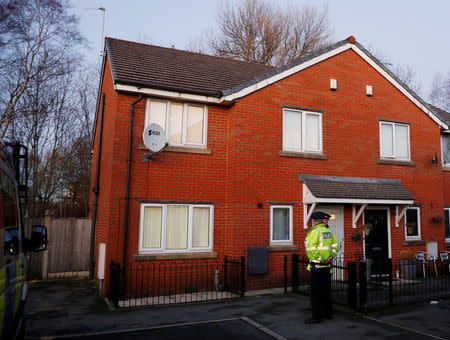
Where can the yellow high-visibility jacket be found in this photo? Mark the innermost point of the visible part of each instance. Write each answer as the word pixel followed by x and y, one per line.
pixel 320 244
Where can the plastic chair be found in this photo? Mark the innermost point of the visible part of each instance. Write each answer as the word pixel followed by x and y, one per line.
pixel 445 258
pixel 420 256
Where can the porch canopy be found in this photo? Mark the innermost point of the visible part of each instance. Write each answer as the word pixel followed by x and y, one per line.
pixel 359 191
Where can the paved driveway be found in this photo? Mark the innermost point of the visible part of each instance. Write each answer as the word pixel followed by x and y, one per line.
pixel 71 309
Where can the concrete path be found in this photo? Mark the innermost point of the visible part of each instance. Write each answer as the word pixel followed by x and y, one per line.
pixel 71 309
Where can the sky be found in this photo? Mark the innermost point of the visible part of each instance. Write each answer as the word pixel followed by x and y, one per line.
pixel 410 33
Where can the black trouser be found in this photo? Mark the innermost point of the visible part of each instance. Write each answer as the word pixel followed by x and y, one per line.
pixel 321 293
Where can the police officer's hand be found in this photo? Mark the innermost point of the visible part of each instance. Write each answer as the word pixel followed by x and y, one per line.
pixel 328 260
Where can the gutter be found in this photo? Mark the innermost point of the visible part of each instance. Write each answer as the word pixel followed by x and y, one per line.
pixel 96 190
pixel 127 193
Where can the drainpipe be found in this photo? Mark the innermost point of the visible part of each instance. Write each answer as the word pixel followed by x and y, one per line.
pixel 127 193
pixel 96 190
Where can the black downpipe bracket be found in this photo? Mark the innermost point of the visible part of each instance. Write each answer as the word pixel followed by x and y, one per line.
pixel 127 193
pixel 96 190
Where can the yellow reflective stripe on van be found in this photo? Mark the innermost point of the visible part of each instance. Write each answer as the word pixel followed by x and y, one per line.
pixel 19 274
pixel 18 297
pixel 2 312
pixel 2 281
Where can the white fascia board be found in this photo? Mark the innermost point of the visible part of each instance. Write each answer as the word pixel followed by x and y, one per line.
pixel 398 86
pixel 167 94
pixel 356 201
pixel 286 73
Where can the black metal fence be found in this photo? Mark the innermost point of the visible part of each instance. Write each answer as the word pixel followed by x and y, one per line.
pixel 176 282
pixel 371 284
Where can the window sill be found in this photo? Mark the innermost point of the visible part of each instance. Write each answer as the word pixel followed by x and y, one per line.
pixel 447 244
pixel 395 162
pixel 445 168
pixel 180 149
pixel 310 155
pixel 414 242
pixel 283 247
pixel 175 256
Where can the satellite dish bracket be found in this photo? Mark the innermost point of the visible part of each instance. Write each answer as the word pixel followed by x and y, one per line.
pixel 148 157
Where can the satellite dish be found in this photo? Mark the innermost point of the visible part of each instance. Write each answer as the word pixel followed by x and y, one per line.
pixel 154 138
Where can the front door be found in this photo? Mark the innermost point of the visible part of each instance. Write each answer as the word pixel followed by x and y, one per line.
pixel 377 241
pixel 336 224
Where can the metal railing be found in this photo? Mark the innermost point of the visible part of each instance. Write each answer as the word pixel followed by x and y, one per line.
pixel 177 282
pixel 371 284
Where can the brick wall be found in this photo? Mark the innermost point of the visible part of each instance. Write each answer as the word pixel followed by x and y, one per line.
pixel 245 168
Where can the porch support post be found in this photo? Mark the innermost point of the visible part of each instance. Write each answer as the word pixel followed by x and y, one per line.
pixel 307 214
pixel 398 216
pixel 356 216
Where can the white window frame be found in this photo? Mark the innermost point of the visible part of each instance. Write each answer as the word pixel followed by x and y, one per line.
pixel 275 242
pixel 184 121
pixel 303 114
pixel 394 141
pixel 418 236
pixel 447 165
pixel 189 248
pixel 447 211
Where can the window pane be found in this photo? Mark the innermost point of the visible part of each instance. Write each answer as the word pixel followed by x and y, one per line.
pixel 292 128
pixel 195 124
pixel 176 227
pixel 151 237
pixel 401 141
pixel 280 224
pixel 158 113
pixel 387 148
pixel 445 149
pixel 412 223
pixel 200 227
pixel 447 223
pixel 312 133
pixel 176 122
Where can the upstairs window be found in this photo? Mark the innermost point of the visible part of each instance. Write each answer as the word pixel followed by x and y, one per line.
pixel 412 223
pixel 185 124
pixel 302 131
pixel 394 141
pixel 445 145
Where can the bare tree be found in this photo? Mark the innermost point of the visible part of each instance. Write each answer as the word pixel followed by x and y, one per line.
pixel 257 31
pixel 440 91
pixel 38 39
pixel 405 74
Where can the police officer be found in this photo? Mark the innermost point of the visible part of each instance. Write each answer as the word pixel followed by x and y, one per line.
pixel 321 247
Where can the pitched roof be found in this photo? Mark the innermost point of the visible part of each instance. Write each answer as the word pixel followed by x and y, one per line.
pixel 153 67
pixel 356 188
pixel 443 114
pixel 175 70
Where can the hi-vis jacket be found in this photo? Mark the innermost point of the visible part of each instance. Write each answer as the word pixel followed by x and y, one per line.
pixel 320 244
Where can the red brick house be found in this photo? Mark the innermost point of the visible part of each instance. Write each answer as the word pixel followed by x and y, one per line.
pixel 254 149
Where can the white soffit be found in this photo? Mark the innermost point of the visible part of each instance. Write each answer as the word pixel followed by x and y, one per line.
pixel 167 94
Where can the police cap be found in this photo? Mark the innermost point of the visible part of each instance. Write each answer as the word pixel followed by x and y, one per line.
pixel 319 215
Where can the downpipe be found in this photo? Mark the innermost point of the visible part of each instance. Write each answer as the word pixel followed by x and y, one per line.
pixel 127 194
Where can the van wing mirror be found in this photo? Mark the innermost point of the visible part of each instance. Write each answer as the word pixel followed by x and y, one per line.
pixel 39 238
pixel 11 246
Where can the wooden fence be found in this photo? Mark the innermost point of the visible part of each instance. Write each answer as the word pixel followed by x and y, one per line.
pixel 68 249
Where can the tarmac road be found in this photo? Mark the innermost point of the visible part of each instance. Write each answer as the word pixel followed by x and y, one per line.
pixel 71 309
